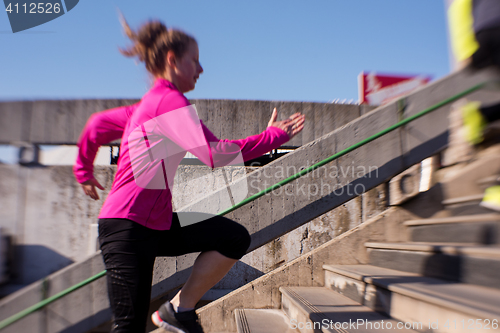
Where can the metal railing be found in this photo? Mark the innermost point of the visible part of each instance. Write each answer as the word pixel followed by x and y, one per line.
pixel 401 123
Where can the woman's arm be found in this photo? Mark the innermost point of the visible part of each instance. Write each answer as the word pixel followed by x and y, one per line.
pixel 275 135
pixel 101 128
pixel 183 127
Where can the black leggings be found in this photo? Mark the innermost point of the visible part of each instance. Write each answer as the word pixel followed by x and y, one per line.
pixel 488 54
pixel 129 251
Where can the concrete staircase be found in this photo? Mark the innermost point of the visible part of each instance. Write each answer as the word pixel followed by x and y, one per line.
pixel 444 276
pixel 273 216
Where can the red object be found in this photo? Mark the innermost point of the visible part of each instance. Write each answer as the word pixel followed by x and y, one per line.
pixel 376 89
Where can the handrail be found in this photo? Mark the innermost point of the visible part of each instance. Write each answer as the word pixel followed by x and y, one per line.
pixel 12 319
pixel 351 148
pixel 38 306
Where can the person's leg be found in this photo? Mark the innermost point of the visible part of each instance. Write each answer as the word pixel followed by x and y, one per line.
pixel 128 251
pixel 476 118
pixel 209 268
pixel 491 113
pixel 474 122
pixel 178 314
pixel 488 52
pixel 222 243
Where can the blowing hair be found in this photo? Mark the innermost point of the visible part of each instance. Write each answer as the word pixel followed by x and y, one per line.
pixel 151 43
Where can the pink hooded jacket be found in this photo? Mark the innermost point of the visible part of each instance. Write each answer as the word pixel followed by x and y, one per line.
pixel 156 133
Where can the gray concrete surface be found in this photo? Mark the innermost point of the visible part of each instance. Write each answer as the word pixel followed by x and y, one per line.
pixel 423 302
pixel 61 121
pixel 50 218
pixel 459 267
pixel 275 214
pixel 306 270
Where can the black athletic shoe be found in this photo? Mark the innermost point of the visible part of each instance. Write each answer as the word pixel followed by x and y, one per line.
pixel 183 322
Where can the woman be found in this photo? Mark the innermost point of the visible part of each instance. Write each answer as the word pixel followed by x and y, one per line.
pixel 136 222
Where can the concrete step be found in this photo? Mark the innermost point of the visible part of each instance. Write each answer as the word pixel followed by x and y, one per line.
pixel 478 228
pixel 488 181
pixel 466 205
pixel 411 298
pixel 353 280
pixel 262 321
pixel 473 264
pixel 318 309
pixel 463 200
pixel 455 219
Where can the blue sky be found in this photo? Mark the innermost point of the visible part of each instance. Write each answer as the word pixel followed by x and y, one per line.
pixel 260 50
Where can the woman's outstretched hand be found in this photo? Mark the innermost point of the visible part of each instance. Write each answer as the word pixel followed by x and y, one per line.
pixel 89 188
pixel 292 126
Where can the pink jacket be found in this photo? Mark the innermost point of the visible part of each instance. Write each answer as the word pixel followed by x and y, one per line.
pixel 156 133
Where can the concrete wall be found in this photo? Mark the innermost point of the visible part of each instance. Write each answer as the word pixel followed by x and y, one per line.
pixel 45 209
pixel 49 217
pixel 51 220
pixel 49 122
pixel 60 122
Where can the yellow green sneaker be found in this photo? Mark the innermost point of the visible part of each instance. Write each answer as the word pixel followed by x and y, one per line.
pixel 474 122
pixel 491 198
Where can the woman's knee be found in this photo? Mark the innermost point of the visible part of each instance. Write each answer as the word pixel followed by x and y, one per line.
pixel 238 242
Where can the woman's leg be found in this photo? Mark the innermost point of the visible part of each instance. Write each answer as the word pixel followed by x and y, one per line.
pixel 488 52
pixel 208 269
pixel 222 243
pixel 491 113
pixel 128 250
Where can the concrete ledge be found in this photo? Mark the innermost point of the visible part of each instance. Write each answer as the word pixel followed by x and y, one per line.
pixel 400 293
pixel 462 249
pixel 467 300
pixel 463 200
pixel 421 247
pixel 61 121
pixel 475 232
pixel 313 307
pixel 349 285
pixel 263 321
pixel 455 219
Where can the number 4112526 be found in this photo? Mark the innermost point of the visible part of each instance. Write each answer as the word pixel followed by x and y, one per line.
pixel 35 8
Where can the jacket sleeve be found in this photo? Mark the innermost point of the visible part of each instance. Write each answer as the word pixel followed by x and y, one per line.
pixel 101 128
pixel 223 152
pixel 184 129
